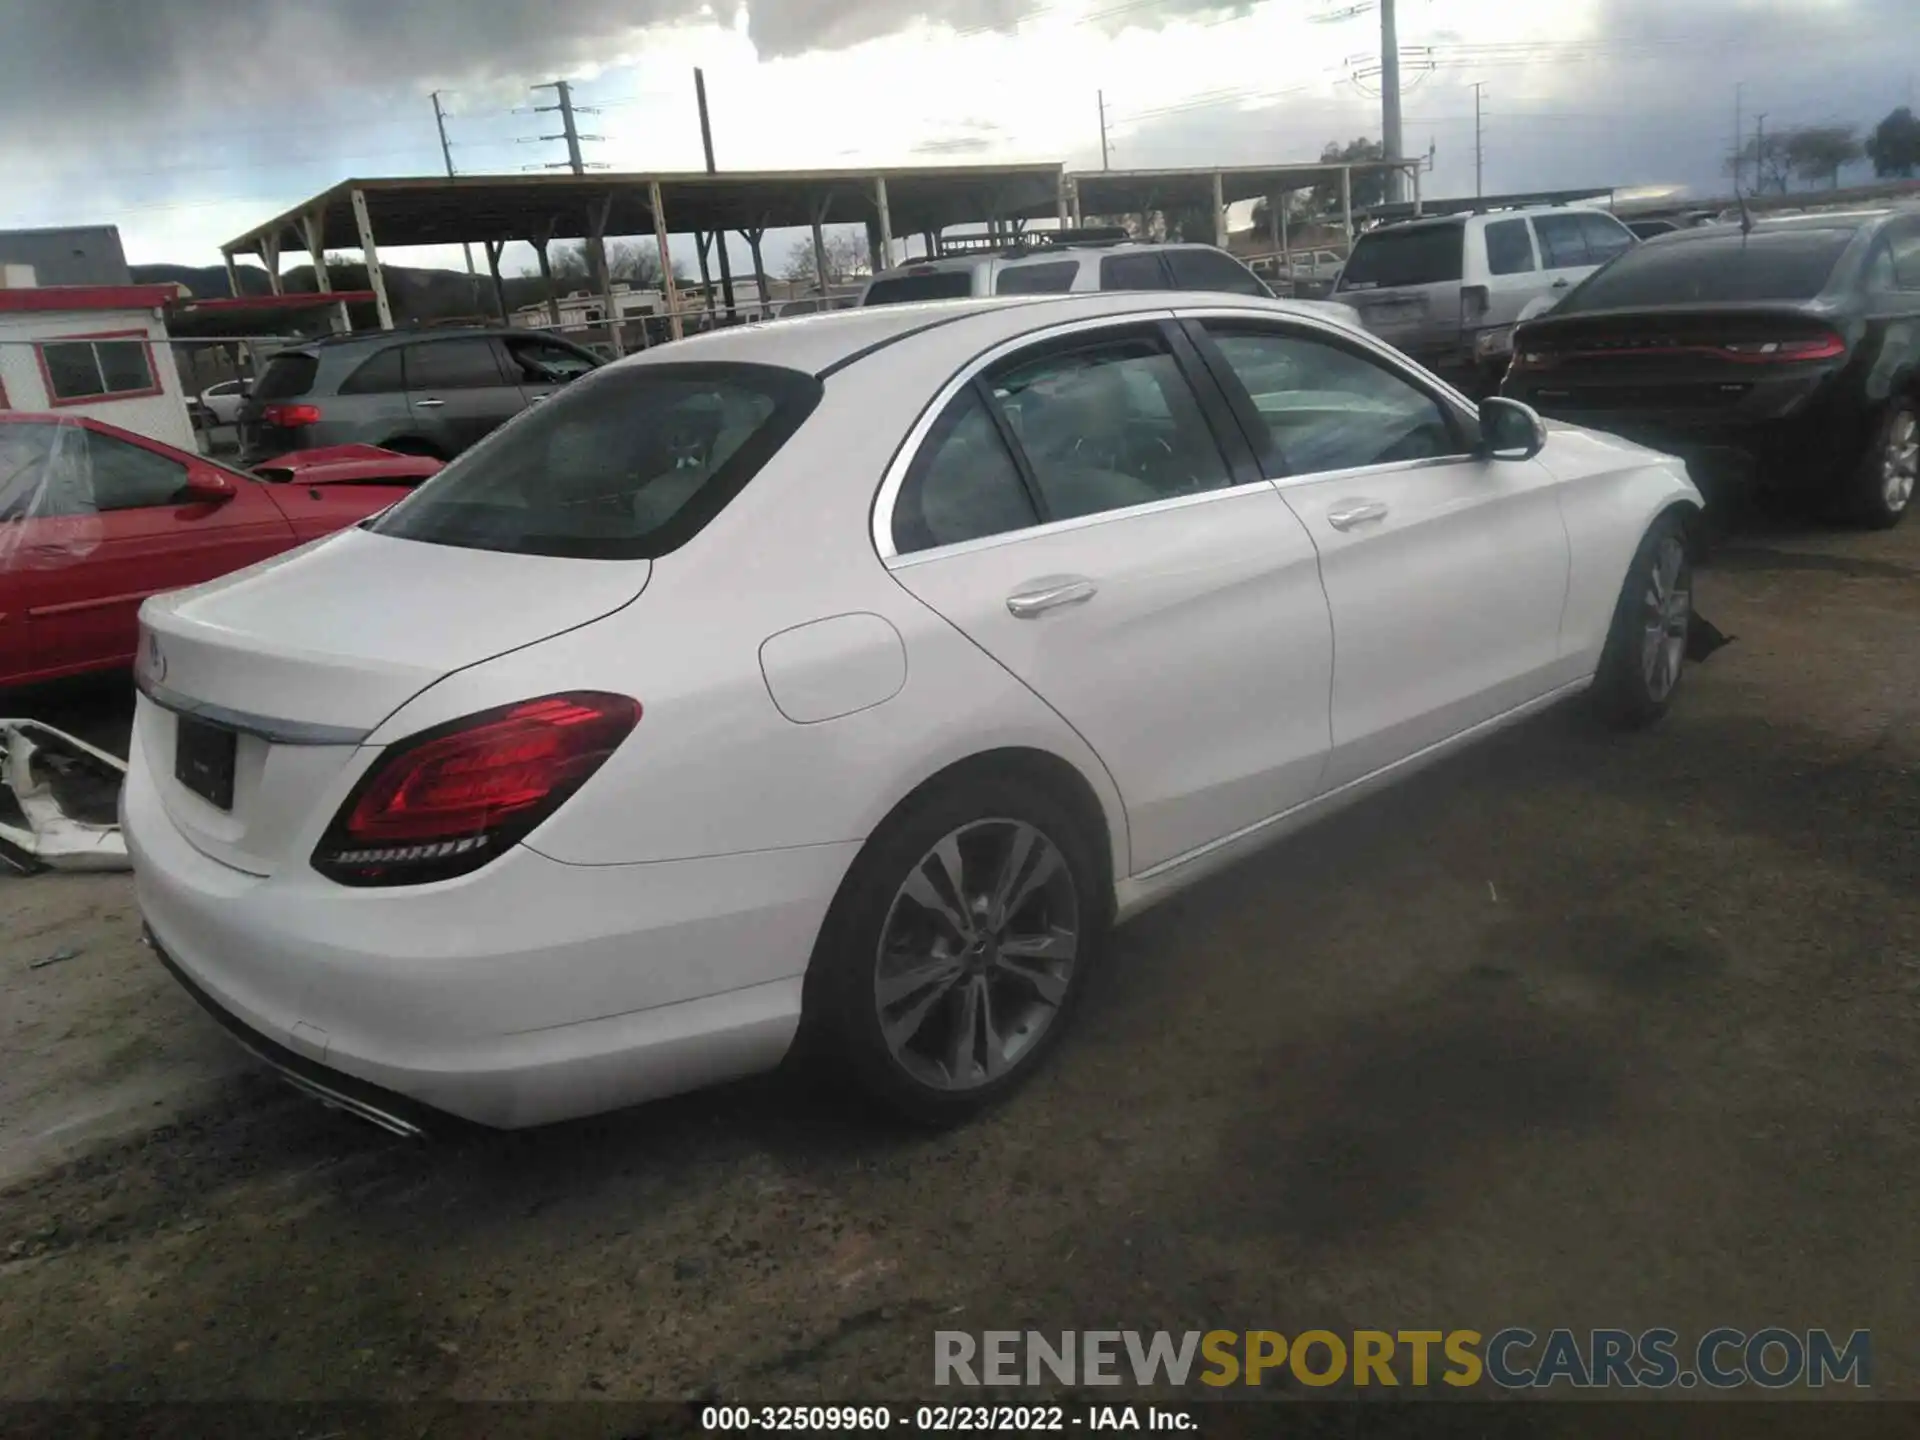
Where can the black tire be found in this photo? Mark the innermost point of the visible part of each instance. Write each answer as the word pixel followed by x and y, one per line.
pixel 1631 690
pixel 1872 496
pixel 843 1019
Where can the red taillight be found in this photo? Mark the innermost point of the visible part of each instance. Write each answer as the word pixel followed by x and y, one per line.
pixel 449 800
pixel 291 417
pixel 1819 347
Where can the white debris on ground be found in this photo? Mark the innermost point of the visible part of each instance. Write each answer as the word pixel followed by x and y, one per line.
pixel 65 793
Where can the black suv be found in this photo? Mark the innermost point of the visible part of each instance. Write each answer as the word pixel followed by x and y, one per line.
pixel 429 392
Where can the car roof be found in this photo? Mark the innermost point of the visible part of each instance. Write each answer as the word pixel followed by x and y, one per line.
pixel 1777 225
pixel 834 338
pixel 1014 254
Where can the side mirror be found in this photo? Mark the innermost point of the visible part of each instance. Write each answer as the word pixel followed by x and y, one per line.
pixel 1510 430
pixel 206 487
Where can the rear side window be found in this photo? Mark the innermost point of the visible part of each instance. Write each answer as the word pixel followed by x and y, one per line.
pixel 452 365
pixel 541 362
pixel 623 464
pixel 1563 243
pixel 1053 278
pixel 1420 255
pixel 1509 248
pixel 1211 270
pixel 1140 271
pixel 934 285
pixel 1606 238
pixel 1780 265
pixel 287 375
pixel 379 375
pixel 963 484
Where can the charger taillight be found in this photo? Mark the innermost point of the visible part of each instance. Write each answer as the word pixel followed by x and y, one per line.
pixel 450 799
pixel 290 417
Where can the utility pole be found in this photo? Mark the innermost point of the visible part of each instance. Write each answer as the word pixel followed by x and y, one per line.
pixel 446 153
pixel 1760 151
pixel 569 131
pixel 1390 98
pixel 1739 134
pixel 706 141
pixel 1478 87
pixel 1103 128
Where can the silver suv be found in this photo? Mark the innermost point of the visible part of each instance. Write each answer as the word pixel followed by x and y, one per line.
pixel 1052 262
pixel 1448 290
pixel 430 392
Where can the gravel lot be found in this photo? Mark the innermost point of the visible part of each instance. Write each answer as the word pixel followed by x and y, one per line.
pixel 1574 1030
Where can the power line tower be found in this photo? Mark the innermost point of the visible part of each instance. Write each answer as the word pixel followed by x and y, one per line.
pixel 569 129
pixel 1479 87
pixel 1390 98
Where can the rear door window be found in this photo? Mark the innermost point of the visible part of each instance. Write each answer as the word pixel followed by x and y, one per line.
pixel 1053 278
pixel 1139 271
pixel 1606 237
pixel 468 364
pixel 1211 270
pixel 1416 255
pixel 1563 242
pixel 379 375
pixel 964 484
pixel 934 285
pixel 623 464
pixel 1509 248
pixel 541 362
pixel 287 375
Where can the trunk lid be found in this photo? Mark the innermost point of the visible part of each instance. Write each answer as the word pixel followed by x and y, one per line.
pixel 1672 359
pixel 305 654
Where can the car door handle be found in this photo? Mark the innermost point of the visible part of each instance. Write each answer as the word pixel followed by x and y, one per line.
pixel 1356 512
pixel 429 404
pixel 1050 594
pixel 1560 284
pixel 543 396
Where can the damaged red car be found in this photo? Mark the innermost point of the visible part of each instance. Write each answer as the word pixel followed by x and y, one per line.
pixel 94 519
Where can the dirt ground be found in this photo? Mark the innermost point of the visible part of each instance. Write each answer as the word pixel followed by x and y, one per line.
pixel 1574 1030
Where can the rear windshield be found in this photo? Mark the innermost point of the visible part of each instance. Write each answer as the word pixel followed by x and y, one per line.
pixel 286 376
pixel 1420 255
pixel 936 285
pixel 623 464
pixel 1781 265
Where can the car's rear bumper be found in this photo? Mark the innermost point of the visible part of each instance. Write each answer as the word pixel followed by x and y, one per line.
pixel 529 992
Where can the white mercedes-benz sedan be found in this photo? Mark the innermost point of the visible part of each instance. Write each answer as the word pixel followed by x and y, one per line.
pixel 854 673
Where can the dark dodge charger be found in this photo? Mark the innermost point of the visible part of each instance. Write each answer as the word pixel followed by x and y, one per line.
pixel 1788 352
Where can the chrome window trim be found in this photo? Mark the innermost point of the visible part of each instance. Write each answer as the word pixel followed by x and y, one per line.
pixel 881 528
pixel 267 727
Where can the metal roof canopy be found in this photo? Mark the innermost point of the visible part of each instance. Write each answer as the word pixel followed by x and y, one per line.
pixel 1128 192
pixel 420 210
pixel 537 209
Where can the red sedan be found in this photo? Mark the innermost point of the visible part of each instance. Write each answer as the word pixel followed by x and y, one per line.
pixel 93 519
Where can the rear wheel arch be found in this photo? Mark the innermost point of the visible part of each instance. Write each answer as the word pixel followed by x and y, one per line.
pixel 1042 768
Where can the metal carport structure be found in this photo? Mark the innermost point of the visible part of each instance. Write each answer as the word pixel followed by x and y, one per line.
pixel 1134 192
pixel 537 209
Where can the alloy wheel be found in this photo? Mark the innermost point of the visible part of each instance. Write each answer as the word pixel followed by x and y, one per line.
pixel 1666 612
pixel 976 954
pixel 1900 461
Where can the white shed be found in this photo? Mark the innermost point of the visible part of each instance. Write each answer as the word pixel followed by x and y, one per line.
pixel 96 350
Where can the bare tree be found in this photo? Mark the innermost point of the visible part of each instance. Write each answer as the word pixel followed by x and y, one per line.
pixel 1765 157
pixel 846 259
pixel 636 262
pixel 1821 152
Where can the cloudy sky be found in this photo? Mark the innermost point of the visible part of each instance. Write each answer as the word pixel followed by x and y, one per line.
pixel 186 122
